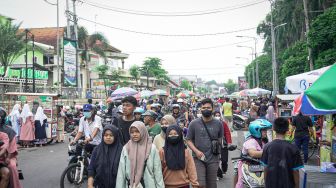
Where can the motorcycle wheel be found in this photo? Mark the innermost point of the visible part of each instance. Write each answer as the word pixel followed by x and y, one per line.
pixel 68 177
pixel 235 126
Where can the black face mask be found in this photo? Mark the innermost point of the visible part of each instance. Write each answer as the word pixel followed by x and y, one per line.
pixel 206 113
pixel 164 129
pixel 173 139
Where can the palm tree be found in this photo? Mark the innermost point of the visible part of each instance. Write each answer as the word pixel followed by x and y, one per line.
pixel 11 44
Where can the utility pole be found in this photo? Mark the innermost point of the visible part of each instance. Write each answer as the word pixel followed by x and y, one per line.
pixel 68 20
pixel 253 77
pixel 310 58
pixel 57 46
pixel 76 39
pixel 26 60
pixel 33 63
pixel 273 54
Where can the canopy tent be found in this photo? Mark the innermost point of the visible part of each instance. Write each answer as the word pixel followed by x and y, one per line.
pixel 300 82
pixel 319 99
pixel 259 91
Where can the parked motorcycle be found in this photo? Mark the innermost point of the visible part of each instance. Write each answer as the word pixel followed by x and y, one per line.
pixel 239 121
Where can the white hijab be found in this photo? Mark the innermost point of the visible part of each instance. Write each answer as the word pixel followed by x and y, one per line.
pixel 25 113
pixel 15 112
pixel 40 115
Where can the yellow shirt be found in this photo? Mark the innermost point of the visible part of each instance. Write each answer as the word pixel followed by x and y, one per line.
pixel 227 108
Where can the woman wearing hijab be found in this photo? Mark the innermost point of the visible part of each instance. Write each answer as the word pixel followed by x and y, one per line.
pixel 11 151
pixel 140 164
pixel 270 116
pixel 15 118
pixel 166 121
pixel 40 127
pixel 27 133
pixel 105 159
pixel 178 165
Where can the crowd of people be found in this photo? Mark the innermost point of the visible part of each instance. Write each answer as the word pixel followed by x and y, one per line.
pixel 155 143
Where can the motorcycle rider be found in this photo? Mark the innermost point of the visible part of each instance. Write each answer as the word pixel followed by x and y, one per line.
pixel 91 126
pixel 156 107
pixel 138 114
pixel 179 116
pixel 254 144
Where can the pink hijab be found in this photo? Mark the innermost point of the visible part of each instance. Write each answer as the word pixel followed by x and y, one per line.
pixel 138 152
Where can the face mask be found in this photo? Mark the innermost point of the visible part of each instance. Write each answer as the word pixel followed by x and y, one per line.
pixel 164 129
pixel 206 113
pixel 87 114
pixel 217 118
pixel 199 115
pixel 173 139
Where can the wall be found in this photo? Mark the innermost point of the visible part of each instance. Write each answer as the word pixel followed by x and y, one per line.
pixel 37 54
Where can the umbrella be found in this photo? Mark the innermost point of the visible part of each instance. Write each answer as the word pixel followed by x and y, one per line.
pixel 259 91
pixel 244 93
pixel 319 99
pixel 160 92
pixel 146 94
pixel 182 95
pixel 123 92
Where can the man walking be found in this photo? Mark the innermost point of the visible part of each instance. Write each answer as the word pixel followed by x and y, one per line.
pixel 227 111
pixel 203 132
pixel 303 125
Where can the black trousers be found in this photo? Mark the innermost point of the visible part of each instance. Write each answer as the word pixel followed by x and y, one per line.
pixel 224 160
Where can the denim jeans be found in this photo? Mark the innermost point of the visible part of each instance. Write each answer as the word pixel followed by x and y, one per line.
pixel 302 144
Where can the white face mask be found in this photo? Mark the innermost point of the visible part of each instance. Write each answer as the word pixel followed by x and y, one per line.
pixel 199 115
pixel 217 118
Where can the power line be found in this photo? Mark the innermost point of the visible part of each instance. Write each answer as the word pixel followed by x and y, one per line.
pixel 188 50
pixel 168 35
pixel 194 13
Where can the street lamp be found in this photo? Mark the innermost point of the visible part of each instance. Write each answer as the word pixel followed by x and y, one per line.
pixel 253 75
pixel 255 55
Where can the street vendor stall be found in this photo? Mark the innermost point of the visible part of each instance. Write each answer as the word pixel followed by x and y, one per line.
pixel 46 100
pixel 319 99
pixel 282 101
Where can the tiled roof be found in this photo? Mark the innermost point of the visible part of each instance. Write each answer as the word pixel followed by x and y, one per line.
pixel 47 35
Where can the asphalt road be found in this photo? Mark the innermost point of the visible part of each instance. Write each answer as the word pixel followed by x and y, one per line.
pixel 42 167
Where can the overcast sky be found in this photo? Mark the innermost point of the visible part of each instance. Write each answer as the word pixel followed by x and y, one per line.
pixel 217 61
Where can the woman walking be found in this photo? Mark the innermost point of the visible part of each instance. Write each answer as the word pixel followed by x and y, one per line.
pixel 40 127
pixel 27 134
pixel 166 121
pixel 105 159
pixel 15 119
pixel 140 164
pixel 178 165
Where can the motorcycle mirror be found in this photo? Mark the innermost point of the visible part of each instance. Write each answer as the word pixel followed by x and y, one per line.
pixel 232 147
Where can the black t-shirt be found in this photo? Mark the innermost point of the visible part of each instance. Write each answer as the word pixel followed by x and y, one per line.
pixel 301 124
pixel 281 158
pixel 123 128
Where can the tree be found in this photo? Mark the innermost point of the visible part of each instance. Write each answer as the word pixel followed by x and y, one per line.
pixel 135 72
pixel 230 86
pixel 103 74
pixel 212 82
pixel 185 84
pixel 152 67
pixel 11 44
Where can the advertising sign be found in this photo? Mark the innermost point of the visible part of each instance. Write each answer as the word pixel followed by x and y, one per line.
pixel 242 83
pixel 69 63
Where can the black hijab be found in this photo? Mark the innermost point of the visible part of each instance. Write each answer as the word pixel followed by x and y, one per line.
pixel 175 153
pixel 108 156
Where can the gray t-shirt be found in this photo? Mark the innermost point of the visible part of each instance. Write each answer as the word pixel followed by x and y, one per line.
pixel 198 135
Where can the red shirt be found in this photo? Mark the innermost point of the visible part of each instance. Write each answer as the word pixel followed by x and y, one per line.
pixel 227 133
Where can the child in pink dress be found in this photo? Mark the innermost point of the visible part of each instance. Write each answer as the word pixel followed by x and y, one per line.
pixel 27 133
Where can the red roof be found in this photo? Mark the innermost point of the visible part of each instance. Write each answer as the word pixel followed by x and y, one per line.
pixel 47 35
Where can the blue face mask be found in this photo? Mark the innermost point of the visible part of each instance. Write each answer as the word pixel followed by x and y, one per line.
pixel 87 114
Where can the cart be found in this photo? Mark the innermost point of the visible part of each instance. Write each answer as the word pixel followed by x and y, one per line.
pixel 46 100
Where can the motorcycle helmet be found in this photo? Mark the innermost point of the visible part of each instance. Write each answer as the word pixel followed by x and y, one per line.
pixel 257 125
pixel 175 106
pixel 180 100
pixel 139 110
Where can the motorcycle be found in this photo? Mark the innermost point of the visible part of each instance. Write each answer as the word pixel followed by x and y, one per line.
pixel 239 121
pixel 252 171
pixel 70 122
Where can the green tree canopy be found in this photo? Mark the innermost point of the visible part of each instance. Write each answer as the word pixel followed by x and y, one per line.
pixel 135 72
pixel 185 84
pixel 230 86
pixel 11 43
pixel 152 67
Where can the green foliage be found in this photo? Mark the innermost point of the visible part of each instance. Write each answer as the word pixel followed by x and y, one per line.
pixel 11 44
pixel 211 82
pixel 103 74
pixel 152 67
pixel 185 84
pixel 230 86
pixel 135 72
pixel 265 71
pixel 325 58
